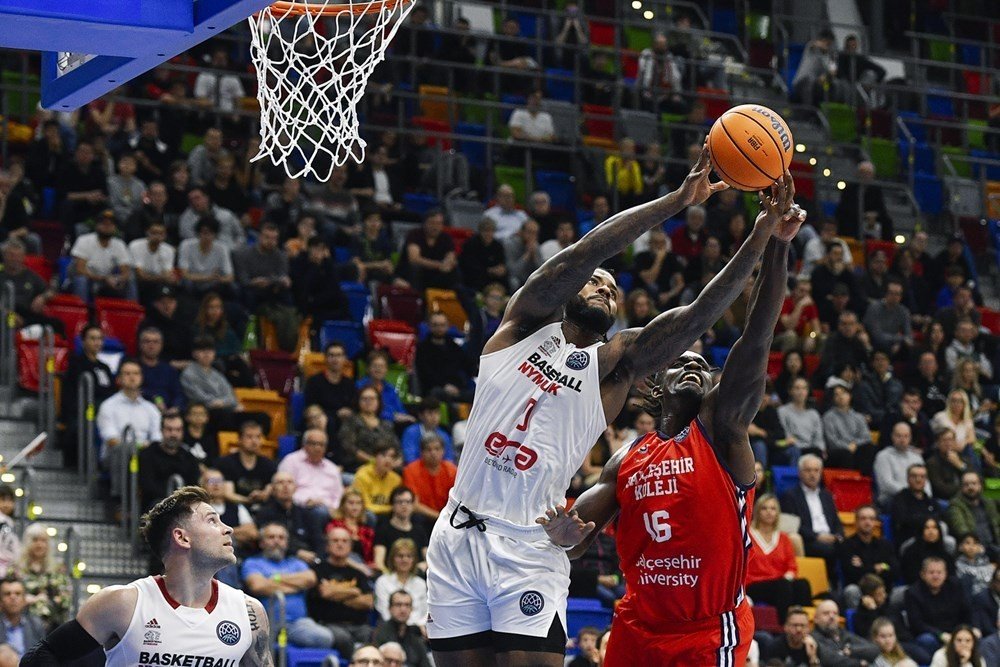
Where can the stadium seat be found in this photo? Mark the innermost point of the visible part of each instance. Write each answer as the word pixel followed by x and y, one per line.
pixel 805 181
pixel 274 370
pixel 297 656
pixel 775 362
pixel 849 488
pixel 976 137
pixel 40 265
pixel 435 102
pixel 559 85
pixel 939 103
pixel 581 612
pixel 766 618
pixel 351 334
pixel 515 177
pixel 962 167
pixel 964 199
pixel 228 441
pixel 286 445
pixel 565 119
pixel 912 121
pixel 510 103
pixel 813 570
pixel 270 403
pixel 434 128
pixel 120 318
pixel 398 338
pixel 991 488
pixel 600 142
pixel 473 111
pixel 716 101
pixel 419 203
pixel 28 361
pixel 640 126
pixel 599 121
pixel 474 151
pixel 990 320
pixel 843 123
pixel 463 213
pixel 601 34
pixel 888 247
pixel 69 309
pixel 637 38
pixel 400 303
pixel 358 299
pixel 929 193
pixel 446 301
pixel 561 188
pixel 992 171
pixel 884 156
pixel 53 235
pixel 724 20
pixel 785 478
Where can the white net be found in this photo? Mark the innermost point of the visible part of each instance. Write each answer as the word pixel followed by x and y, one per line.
pixel 313 61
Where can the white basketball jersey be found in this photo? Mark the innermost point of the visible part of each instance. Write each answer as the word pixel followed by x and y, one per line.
pixel 162 632
pixel 536 414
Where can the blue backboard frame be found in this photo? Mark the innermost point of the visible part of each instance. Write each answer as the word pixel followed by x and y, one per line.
pixel 125 37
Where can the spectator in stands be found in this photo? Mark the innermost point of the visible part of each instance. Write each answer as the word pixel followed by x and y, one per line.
pixel 833 269
pixel 796 646
pixel 946 465
pixel 966 380
pixel 954 277
pixel 986 606
pixel 816 248
pixel 539 209
pixel 862 213
pixel 221 91
pixel 175 334
pixel 391 404
pixel 123 412
pixel 803 426
pixel 351 516
pixel 204 261
pixel 623 175
pixel 83 186
pixel 204 384
pixel 46 584
pixel 429 258
pixel 913 505
pixel 31 293
pixel 972 566
pixel 274 570
pixel 891 650
pixel 767 436
pixel 866 553
pixel 317 479
pixel 47 156
pixel 226 191
pixel 572 34
pixel 639 310
pixel 855 67
pixel 402 575
pixel 813 82
pixel 931 540
pixel 843 646
pixel 377 479
pixel 315 285
pixel 565 237
pixel 365 430
pixel 151 153
pixel 588 654
pixel 654 179
pixel 957 417
pixel 792 368
pixel 331 389
pixel 952 258
pixel 659 78
pixel 878 389
pixel 772 572
pixel 399 634
pixel 428 421
pixel 284 207
pixel 229 232
pixel 342 599
pixel 431 476
pixel 248 473
pixel 335 206
pixel 848 345
pixel 92 341
pixel 990 452
pixel 512 53
pixel 204 157
pixel 482 260
pixel 929 382
pixel 399 523
pixel 970 512
pixel 820 526
pixel 508 218
pixel 211 322
pixel 371 250
pixel 935 605
pixel 963 307
pixel 532 123
pixel 153 260
pixel 888 321
pixel 688 239
pixel 165 465
pixel 964 346
pixel 177 190
pixel 910 411
pixel 798 326
pixel 660 270
pixel 265 284
pixel 439 366
pixel 10 543
pixel 523 254
pixel 305 531
pixel 125 189
pixel 962 648
pixel 848 440
pixel 18 200
pixel 101 262
pixel 19 628
pixel 461 47
pixel 892 464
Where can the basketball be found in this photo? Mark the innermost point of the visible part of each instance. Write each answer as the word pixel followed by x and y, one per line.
pixel 750 147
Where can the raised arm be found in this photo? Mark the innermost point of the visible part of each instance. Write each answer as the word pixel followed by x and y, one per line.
pixel 633 353
pixel 561 276
pixel 259 653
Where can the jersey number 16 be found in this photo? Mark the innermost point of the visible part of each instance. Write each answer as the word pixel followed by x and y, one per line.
pixel 656 525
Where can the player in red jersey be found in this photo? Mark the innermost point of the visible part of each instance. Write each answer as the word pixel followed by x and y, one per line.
pixel 685 494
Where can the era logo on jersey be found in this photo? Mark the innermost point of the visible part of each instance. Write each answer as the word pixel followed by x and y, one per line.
pixel 228 633
pixel 524 457
pixel 578 360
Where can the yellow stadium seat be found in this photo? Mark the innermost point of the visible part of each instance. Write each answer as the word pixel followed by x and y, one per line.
pixel 434 103
pixel 229 439
pixel 269 402
pixel 446 301
pixel 813 570
pixel 314 363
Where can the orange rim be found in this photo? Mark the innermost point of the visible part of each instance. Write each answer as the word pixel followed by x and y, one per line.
pixel 320 9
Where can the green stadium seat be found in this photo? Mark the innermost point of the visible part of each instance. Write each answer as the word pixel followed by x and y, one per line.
pixel 515 177
pixel 976 137
pixel 942 51
pixel 991 488
pixel 638 39
pixel 962 168
pixel 474 112
pixel 843 123
pixel 758 26
pixel 884 156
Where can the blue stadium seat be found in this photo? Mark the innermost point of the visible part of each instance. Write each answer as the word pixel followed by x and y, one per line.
pixel 929 193
pixel 581 612
pixel 310 657
pixel 971 55
pixel 923 156
pixel 48 202
pixel 792 65
pixel 351 334
pixel 297 408
pixel 911 119
pixel 531 24
pixel 419 203
pixel 992 171
pixel 358 299
pixel 724 20
pixel 785 478
pixel 559 88
pixel 286 444
pixel 561 189
pixel 886 526
pixel 625 281
pixel 510 103
pixel 940 104
pixel 341 255
pixel 474 151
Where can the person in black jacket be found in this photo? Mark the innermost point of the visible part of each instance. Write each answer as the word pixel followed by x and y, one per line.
pixel 862 213
pixel 986 606
pixel 397 629
pixel 596 573
pixel 935 605
pixel 305 532
pixel 482 260
pixel 440 370
pixel 86 362
pixel 177 333
pixel 316 284
pixel 166 463
pixel 865 553
pixel 819 540
pixel 911 507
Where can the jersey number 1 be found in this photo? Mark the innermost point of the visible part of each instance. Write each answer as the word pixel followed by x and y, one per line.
pixel 528 409
pixel 656 525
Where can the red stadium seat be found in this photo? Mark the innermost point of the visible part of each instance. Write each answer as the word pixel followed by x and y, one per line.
pixel 41 265
pixel 716 101
pixel 888 247
pixel 433 126
pixel 53 235
pixel 27 361
pixel 458 236
pixel 398 338
pixel 275 370
pixel 69 309
pixel 811 363
pixel 599 121
pixel 991 320
pixel 766 618
pixel 630 65
pixel 120 318
pixel 602 34
pixel 775 361
pixel 805 183
pixel 401 303
pixel 849 488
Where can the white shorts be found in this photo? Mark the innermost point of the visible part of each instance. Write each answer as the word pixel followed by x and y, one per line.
pixel 480 581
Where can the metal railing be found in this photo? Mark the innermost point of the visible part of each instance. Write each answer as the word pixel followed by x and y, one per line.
pixel 86 408
pixel 71 561
pixel 46 381
pixel 25 501
pixel 279 631
pixel 8 327
pixel 911 156
pixel 129 478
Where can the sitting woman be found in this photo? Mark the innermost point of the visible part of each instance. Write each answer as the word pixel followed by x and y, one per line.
pixel 891 654
pixel 402 575
pixel 392 405
pixel 772 573
pixel 46 586
pixel 351 516
pixel 962 650
pixel 363 430
pixel 211 321
pixel 930 542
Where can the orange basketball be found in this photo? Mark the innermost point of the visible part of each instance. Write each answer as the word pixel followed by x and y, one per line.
pixel 750 147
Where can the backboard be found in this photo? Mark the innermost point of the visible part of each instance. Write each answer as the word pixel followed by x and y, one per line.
pixel 90 47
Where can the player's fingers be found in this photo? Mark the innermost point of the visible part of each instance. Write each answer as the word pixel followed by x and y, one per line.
pixel 791 185
pixel 703 158
pixel 718 187
pixel 590 526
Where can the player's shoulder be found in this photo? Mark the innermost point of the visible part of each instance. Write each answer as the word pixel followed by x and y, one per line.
pixel 116 601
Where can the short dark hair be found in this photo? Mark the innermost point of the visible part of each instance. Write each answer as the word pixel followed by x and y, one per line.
pixel 930 560
pixel 795 609
pixel 385 447
pixel 249 424
pixel 12 579
pixel 401 591
pixel 207 222
pixel 6 492
pixel 270 227
pixel 398 491
pixel 88 328
pixel 156 524
pixel 334 343
pixel 203 343
pixel 870 583
pixel 587 630
pixel 126 362
pixel 172 413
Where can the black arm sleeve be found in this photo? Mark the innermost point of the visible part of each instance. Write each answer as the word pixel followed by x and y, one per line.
pixel 67 642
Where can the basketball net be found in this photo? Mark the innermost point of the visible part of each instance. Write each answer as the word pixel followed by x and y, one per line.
pixel 313 61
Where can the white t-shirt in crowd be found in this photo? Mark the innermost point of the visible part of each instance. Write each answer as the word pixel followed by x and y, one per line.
pixel 537 126
pixel 102 260
pixel 158 262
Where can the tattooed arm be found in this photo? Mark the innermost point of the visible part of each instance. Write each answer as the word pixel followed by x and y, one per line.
pixel 558 279
pixel 259 653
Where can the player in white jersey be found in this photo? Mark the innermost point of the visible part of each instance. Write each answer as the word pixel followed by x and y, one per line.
pixel 548 386
pixel 185 616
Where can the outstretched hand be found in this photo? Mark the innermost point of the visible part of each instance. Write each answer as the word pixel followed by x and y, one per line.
pixel 565 529
pixel 790 223
pixel 696 188
pixel 776 206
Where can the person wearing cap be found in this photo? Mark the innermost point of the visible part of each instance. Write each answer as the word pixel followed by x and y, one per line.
pixel 101 262
pixel 163 316
pixel 153 260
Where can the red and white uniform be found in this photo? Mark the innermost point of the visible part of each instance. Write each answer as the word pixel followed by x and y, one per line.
pixel 683 541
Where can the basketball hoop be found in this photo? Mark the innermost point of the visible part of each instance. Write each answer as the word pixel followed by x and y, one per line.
pixel 313 61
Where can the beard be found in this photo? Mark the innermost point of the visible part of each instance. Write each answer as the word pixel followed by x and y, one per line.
pixel 591 318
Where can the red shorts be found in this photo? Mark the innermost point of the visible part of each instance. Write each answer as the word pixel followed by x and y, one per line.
pixel 722 641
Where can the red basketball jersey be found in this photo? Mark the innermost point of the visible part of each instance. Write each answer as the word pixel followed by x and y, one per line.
pixel 683 536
